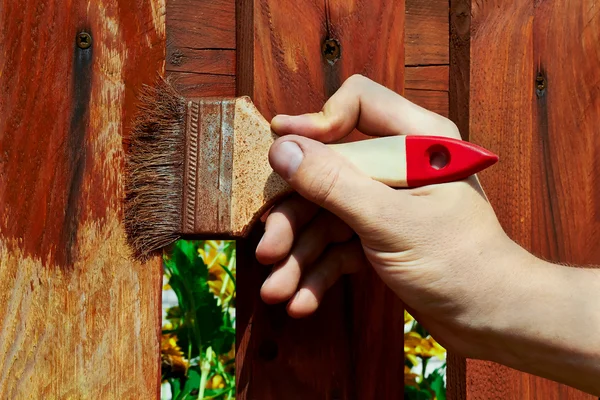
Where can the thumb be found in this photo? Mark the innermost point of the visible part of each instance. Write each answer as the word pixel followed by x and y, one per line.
pixel 326 178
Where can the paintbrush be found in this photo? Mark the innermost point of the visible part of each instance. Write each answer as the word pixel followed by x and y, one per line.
pixel 199 166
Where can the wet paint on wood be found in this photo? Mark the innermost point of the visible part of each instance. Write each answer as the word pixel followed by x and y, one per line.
pixel 79 318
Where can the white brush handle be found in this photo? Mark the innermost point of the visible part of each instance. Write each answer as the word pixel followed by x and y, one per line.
pixel 383 159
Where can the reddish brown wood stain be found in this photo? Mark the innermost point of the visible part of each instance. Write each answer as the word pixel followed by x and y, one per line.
pixel 285 72
pixel 50 90
pixel 79 318
pixel 201 47
pixel 545 189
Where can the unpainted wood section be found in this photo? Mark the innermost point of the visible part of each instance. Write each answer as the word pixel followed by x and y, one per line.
pixel 201 47
pixel 351 348
pixel 545 197
pixel 79 318
pixel 427 31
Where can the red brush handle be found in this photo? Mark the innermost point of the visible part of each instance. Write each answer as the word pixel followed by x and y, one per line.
pixel 412 161
pixel 435 159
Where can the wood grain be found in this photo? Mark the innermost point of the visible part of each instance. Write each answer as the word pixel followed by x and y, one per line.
pixel 544 190
pixel 79 318
pixel 459 112
pixel 460 67
pixel 201 46
pixel 426 49
pixel 434 77
pixel 434 100
pixel 427 32
pixel 285 72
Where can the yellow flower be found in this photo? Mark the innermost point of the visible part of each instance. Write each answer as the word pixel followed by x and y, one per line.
pixel 407 317
pixel 216 382
pixel 173 363
pixel 212 253
pixel 416 345
pixel 214 257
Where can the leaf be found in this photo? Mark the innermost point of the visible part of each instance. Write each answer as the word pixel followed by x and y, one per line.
pixel 228 272
pixel 191 386
pixel 214 393
pixel 412 393
pixel 175 387
pixel 189 280
pixel 436 383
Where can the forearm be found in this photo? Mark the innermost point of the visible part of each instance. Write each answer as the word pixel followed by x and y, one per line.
pixel 549 324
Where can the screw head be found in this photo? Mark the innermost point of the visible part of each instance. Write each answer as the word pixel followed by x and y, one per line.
pixel 84 40
pixel 331 50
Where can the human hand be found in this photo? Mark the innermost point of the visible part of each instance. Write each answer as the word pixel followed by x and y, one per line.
pixel 438 247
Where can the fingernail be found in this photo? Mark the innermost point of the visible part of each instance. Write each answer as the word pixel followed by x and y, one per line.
pixel 298 295
pixel 279 121
pixel 287 159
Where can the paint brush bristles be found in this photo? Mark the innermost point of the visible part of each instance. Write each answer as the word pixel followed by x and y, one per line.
pixel 154 170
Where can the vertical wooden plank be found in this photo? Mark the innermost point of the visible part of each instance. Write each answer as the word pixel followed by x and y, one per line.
pixel 78 317
pixel 545 197
pixel 350 348
pixel 460 57
pixel 458 112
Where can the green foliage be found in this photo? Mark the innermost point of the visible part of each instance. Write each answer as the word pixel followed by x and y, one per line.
pixel 435 381
pixel 203 323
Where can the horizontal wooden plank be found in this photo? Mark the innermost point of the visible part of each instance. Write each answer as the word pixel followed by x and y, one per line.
pixel 199 85
pixel 436 101
pixel 205 61
pixel 427 32
pixel 427 78
pixel 201 24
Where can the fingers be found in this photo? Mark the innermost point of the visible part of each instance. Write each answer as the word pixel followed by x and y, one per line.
pixel 283 281
pixel 281 228
pixel 342 259
pixel 324 177
pixel 371 108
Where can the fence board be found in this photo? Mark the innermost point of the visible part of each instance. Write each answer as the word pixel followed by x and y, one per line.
pixel 340 351
pixel 78 317
pixel 546 197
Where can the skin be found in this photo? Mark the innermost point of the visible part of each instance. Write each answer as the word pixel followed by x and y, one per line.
pixel 440 248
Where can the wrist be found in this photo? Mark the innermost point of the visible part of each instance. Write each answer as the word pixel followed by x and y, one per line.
pixel 548 321
pixel 506 270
